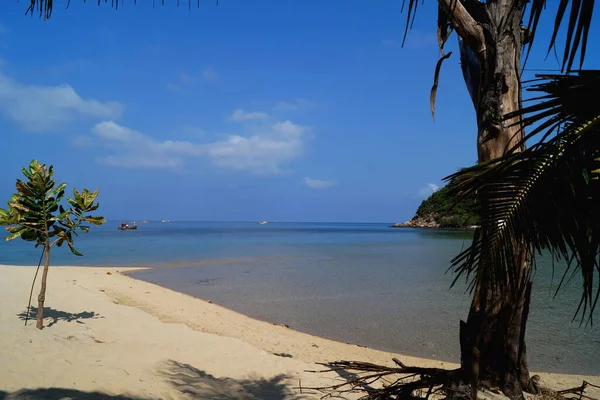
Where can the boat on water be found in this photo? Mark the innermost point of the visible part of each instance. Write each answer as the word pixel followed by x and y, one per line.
pixel 262 222
pixel 125 227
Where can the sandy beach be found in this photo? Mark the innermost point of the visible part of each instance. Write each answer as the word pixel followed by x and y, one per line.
pixel 107 334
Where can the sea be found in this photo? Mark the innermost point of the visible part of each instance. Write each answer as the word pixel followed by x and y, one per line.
pixel 360 283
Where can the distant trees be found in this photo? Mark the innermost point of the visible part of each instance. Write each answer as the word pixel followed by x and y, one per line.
pixel 36 214
pixel 448 210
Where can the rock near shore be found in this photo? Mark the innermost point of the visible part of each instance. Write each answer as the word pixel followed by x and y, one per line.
pixel 418 222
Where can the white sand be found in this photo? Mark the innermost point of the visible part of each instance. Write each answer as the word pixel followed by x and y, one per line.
pixel 116 335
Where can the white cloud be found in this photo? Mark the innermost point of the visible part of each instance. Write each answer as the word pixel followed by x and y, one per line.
pixel 136 150
pixel 295 105
pixel 141 161
pixel 209 74
pixel 263 152
pixel 82 141
pixel 428 190
pixel 318 183
pixel 193 130
pixel 240 115
pixel 39 108
pixel 185 81
pixel 176 88
pixel 266 151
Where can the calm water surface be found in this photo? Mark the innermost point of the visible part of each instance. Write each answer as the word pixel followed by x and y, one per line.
pixel 357 283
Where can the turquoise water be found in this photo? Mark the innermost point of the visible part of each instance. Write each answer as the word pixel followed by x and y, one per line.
pixel 357 283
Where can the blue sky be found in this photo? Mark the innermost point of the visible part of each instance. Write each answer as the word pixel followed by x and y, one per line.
pixel 278 110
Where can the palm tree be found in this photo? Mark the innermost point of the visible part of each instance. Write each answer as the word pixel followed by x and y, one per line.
pixel 491 39
pixel 546 198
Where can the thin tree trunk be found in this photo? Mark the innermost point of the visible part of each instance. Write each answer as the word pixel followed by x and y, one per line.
pixel 493 338
pixel 42 295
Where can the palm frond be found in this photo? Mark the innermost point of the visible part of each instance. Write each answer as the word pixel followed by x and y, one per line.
pixel 580 19
pixel 45 7
pixel 451 14
pixel 546 197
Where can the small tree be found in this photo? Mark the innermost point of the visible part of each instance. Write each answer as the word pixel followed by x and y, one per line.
pixel 35 214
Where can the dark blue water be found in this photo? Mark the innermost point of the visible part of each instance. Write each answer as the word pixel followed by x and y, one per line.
pixel 358 283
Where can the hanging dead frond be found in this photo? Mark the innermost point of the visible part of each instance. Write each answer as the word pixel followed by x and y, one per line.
pixel 444 28
pixel 45 7
pixel 436 77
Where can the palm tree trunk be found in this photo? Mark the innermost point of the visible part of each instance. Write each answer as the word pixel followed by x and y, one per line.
pixel 493 351
pixel 42 295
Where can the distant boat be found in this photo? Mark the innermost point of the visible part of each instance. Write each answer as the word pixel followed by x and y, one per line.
pixel 145 221
pixel 262 222
pixel 125 227
pixel 165 220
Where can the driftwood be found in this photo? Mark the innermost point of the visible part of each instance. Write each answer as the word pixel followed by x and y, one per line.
pixel 578 392
pixel 379 382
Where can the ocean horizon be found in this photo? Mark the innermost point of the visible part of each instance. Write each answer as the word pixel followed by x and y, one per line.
pixel 360 283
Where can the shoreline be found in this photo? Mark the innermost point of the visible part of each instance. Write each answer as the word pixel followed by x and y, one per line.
pixel 142 328
pixel 439 359
pixel 433 228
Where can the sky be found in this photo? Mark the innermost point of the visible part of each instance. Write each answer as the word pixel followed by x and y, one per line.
pixel 250 110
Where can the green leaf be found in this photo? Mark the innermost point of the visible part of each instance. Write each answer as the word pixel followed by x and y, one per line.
pixel 6 217
pixel 58 192
pixel 15 234
pixel 90 197
pixel 26 172
pixel 63 214
pixel 34 166
pixel 23 189
pixel 95 220
pixel 52 207
pixel 73 202
pixel 20 207
pixel 73 250
pixel 31 203
pixel 30 235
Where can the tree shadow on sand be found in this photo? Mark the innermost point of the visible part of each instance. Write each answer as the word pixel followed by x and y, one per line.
pixel 57 315
pixel 193 382
pixel 60 394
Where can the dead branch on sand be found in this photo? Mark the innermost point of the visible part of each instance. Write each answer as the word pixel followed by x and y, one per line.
pixel 380 382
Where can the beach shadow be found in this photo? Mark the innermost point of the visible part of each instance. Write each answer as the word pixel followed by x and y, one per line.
pixel 57 315
pixel 352 377
pixel 60 394
pixel 191 381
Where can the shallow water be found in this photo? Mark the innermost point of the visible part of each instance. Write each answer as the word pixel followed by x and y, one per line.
pixel 357 283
